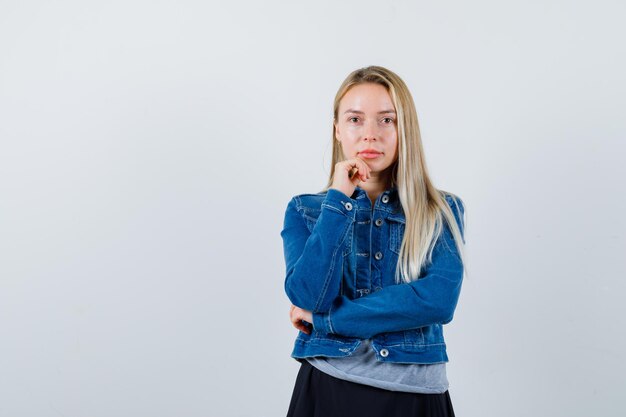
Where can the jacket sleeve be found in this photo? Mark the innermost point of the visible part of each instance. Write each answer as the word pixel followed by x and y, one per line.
pixel 428 300
pixel 314 258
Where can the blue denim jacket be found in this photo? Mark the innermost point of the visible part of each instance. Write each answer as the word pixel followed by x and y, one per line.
pixel 341 257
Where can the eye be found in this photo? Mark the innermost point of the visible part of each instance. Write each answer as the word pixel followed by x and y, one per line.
pixel 350 119
pixel 390 120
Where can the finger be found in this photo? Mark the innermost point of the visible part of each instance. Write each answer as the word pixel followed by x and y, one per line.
pixel 302 327
pixel 367 167
pixel 354 169
pixel 299 321
pixel 357 169
pixel 295 317
pixel 352 172
pixel 362 167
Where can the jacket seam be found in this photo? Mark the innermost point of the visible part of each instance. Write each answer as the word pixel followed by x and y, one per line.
pixel 384 345
pixel 330 273
pixel 333 208
pixel 331 329
pixel 333 261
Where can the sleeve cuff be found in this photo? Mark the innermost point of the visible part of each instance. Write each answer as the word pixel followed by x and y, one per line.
pixel 321 323
pixel 338 201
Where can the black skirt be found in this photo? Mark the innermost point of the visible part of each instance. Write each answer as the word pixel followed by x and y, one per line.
pixel 317 394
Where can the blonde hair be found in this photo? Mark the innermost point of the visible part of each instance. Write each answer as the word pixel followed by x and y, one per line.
pixel 424 206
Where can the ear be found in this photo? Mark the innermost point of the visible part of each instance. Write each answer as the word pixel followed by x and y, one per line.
pixel 336 131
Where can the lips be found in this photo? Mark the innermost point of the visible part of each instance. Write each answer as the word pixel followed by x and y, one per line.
pixel 370 154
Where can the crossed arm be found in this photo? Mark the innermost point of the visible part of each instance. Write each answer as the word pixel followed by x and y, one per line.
pixel 313 277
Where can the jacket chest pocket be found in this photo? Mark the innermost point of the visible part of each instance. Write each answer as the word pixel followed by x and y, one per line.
pixel 396 232
pixel 310 218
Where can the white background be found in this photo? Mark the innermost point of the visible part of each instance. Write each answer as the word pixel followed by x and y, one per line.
pixel 149 149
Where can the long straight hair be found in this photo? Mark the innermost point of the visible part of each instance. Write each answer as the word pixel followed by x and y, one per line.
pixel 424 206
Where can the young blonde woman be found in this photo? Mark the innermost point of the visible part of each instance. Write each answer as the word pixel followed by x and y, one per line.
pixel 374 265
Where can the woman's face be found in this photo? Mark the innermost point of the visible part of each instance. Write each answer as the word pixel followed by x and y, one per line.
pixel 366 120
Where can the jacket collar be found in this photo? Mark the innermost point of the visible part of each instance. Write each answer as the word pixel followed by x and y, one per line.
pixel 361 193
pixel 392 192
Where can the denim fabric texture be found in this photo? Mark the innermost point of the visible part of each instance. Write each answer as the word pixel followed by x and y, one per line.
pixel 341 257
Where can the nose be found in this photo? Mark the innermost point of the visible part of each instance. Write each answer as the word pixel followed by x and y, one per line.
pixel 370 131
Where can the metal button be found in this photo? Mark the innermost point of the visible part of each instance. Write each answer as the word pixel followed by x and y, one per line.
pixel 385 198
pixel 384 353
pixel 348 206
pixel 378 255
pixel 378 222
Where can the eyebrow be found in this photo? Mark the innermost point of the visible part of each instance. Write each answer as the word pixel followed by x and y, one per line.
pixel 360 112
